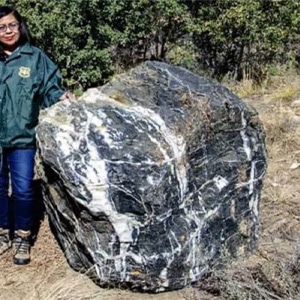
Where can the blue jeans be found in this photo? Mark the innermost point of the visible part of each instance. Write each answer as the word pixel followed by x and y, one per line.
pixel 19 163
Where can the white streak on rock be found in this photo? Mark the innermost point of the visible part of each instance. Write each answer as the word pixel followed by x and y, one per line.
pixel 220 182
pixel 245 138
pixel 177 144
pixel 253 202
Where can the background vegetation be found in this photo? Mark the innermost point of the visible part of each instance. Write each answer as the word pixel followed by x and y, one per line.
pixel 91 40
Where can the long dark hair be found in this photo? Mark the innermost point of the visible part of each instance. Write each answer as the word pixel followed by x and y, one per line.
pixel 24 33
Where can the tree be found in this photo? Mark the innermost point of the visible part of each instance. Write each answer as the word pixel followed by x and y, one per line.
pixel 243 37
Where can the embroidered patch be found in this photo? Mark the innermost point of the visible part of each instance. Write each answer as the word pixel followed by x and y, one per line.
pixel 24 72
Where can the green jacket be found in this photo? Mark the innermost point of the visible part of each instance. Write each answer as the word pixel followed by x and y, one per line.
pixel 29 81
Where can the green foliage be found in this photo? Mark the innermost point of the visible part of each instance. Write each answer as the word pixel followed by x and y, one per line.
pixel 90 40
pixel 148 29
pixel 244 37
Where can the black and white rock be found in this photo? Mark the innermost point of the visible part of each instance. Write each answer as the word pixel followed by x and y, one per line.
pixel 152 178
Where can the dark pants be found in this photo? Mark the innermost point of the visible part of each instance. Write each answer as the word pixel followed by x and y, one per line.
pixel 19 163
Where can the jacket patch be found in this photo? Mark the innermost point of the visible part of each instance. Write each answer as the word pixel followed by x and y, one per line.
pixel 24 72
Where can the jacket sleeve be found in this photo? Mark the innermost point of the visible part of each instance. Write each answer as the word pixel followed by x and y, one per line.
pixel 51 88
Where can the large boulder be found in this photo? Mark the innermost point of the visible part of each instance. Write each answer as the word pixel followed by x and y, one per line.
pixel 152 178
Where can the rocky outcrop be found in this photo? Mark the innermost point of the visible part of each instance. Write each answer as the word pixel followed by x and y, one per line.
pixel 152 178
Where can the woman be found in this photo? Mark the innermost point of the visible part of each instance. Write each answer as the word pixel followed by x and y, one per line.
pixel 29 80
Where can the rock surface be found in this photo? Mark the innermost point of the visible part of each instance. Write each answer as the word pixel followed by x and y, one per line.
pixel 152 178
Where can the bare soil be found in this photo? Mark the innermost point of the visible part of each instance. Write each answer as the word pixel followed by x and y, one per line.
pixel 272 272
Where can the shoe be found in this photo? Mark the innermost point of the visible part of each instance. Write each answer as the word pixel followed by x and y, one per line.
pixel 5 242
pixel 21 245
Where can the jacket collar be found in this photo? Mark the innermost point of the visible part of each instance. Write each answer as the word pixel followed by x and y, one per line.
pixel 26 48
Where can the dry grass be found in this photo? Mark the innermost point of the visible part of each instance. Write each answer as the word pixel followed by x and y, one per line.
pixel 272 272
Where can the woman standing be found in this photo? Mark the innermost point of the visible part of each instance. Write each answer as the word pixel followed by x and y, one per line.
pixel 29 80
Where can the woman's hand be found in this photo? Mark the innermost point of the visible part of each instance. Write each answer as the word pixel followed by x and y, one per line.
pixel 67 96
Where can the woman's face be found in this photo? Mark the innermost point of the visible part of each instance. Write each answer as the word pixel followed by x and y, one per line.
pixel 9 32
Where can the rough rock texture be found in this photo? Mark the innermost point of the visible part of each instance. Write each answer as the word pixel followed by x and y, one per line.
pixel 152 178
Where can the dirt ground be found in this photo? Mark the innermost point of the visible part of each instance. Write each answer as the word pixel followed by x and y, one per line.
pixel 272 272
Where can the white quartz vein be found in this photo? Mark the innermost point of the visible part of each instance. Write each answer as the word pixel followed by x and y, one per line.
pixel 253 203
pixel 172 76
